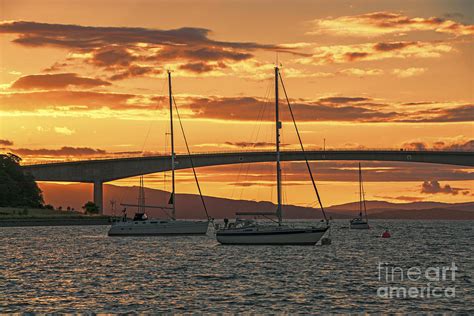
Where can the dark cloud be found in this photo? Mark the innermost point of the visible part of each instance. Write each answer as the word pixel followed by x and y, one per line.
pixel 381 23
pixel 81 100
pixel 63 151
pixel 385 47
pixel 248 108
pixel 135 71
pixel 57 81
pixel 202 53
pixel 343 171
pixel 433 187
pixel 6 142
pixel 112 56
pixel 120 48
pixel 441 145
pixel 353 56
pixel 337 109
pixel 199 67
pixel 252 145
pixel 343 99
pixel 463 113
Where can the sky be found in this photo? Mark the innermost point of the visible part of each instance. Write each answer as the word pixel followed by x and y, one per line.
pixel 88 79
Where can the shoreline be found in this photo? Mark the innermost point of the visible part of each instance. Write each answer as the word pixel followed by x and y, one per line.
pixel 28 222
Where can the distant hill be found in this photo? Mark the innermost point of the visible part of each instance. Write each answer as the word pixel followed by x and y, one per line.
pixel 189 205
pixel 383 205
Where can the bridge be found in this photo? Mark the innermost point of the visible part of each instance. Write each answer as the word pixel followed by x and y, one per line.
pixel 104 170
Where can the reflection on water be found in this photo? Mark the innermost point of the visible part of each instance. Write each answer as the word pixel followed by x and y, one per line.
pixel 65 269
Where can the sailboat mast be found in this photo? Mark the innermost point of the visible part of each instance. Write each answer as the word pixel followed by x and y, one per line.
pixel 172 199
pixel 360 192
pixel 363 195
pixel 277 143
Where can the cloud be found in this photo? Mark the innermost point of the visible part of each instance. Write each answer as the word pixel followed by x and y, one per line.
pixel 56 81
pixel 345 100
pixel 409 72
pixel 6 142
pixel 78 100
pixel 342 171
pixel 383 23
pixel 134 71
pixel 252 145
pixel 434 187
pixel 357 72
pixel 339 54
pixel 248 109
pixel 63 151
pixel 200 67
pixel 89 37
pixel 144 106
pixel 132 51
pixel 441 145
pixel 64 130
pixel 462 113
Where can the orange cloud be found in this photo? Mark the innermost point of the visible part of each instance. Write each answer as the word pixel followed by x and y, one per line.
pixel 6 142
pixel 79 100
pixel 441 145
pixel 56 81
pixel 63 151
pixel 339 54
pixel 383 23
pixel 130 52
pixel 136 106
pixel 409 72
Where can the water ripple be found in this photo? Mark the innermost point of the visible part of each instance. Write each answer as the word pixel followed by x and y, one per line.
pixel 80 269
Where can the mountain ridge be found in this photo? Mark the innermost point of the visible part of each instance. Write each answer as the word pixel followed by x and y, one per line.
pixel 189 205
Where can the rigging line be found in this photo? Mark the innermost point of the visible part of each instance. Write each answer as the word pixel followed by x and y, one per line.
pixel 151 122
pixel 304 152
pixel 363 194
pixel 254 136
pixel 191 159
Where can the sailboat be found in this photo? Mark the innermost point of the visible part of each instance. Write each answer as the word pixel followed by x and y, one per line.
pixel 250 232
pixel 360 222
pixel 141 225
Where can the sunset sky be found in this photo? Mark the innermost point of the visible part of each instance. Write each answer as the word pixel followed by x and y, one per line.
pixel 87 79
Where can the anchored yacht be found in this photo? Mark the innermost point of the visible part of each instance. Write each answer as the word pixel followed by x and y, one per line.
pixel 250 232
pixel 141 225
pixel 361 222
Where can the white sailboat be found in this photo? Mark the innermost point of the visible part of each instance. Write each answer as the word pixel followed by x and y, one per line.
pixel 140 225
pixel 250 232
pixel 360 222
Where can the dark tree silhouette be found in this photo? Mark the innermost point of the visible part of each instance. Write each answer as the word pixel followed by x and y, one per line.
pixel 91 208
pixel 17 189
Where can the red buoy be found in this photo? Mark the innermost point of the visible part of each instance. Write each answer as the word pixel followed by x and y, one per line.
pixel 386 234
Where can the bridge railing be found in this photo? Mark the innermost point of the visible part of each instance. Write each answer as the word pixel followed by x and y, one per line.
pixel 214 152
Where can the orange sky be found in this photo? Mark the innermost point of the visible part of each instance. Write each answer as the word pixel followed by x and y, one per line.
pixel 88 78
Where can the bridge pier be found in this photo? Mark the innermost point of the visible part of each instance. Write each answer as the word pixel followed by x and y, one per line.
pixel 98 196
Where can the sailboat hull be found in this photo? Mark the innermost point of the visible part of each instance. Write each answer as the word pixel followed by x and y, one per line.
pixel 158 228
pixel 287 236
pixel 359 225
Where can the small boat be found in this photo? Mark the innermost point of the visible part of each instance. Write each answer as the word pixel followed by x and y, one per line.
pixel 361 222
pixel 251 232
pixel 141 225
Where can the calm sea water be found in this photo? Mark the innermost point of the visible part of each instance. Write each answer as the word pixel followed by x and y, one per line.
pixel 68 269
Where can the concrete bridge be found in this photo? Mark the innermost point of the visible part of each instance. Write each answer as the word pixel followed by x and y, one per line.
pixel 104 170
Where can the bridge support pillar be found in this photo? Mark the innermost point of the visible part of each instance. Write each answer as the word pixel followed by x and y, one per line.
pixel 98 196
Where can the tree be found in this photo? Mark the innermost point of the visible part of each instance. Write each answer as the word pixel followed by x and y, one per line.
pixel 91 208
pixel 17 189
